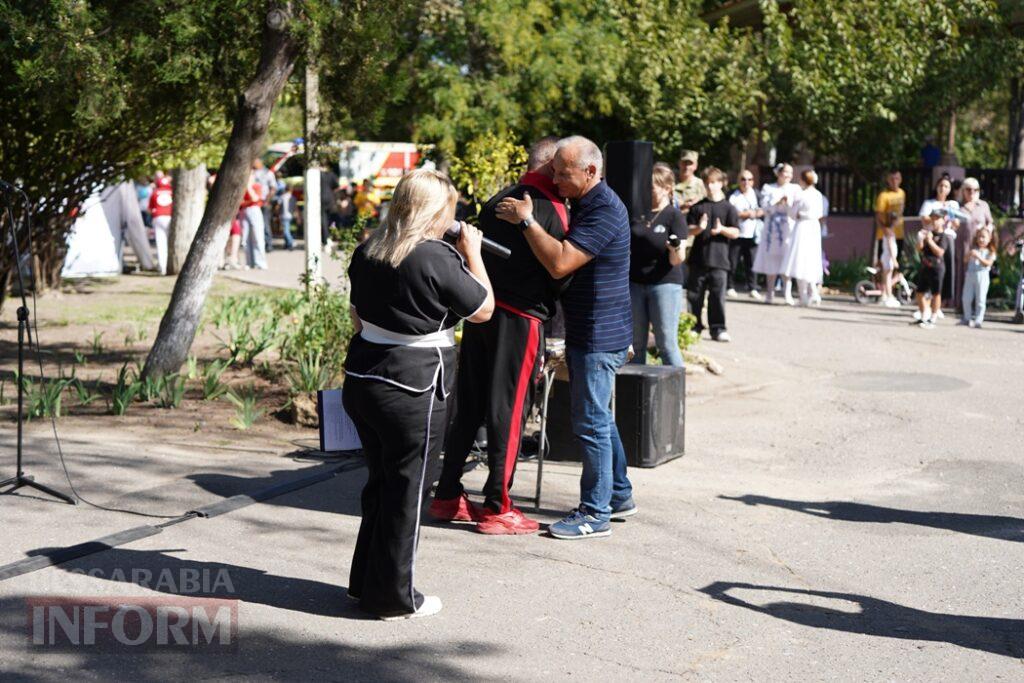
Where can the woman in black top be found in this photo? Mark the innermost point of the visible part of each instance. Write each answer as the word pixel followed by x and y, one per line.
pixel 409 289
pixel 655 272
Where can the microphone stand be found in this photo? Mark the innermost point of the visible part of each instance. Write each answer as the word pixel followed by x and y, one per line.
pixel 20 479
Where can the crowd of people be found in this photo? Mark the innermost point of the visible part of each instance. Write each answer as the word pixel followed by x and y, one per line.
pixel 269 206
pixel 947 226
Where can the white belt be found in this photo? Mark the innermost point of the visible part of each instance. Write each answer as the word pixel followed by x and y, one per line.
pixel 378 335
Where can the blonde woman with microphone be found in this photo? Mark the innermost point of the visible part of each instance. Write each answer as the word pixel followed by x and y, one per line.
pixel 409 289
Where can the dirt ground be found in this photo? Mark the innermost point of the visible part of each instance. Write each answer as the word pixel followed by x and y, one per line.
pixel 110 322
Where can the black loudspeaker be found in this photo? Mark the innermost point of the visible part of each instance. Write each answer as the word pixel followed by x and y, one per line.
pixel 650 411
pixel 628 167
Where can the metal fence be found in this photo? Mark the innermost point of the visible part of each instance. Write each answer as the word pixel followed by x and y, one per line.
pixel 852 193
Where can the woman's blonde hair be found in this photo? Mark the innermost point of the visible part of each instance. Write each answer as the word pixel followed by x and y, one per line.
pixel 663 176
pixel 422 199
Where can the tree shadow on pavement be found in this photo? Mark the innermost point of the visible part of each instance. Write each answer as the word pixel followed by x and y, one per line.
pixel 880 618
pixel 262 654
pixel 163 572
pixel 988 526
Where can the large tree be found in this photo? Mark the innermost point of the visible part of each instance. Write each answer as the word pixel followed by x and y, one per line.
pixel 868 81
pixel 350 42
pixel 94 92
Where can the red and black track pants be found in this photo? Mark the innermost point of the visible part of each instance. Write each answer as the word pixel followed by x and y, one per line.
pixel 499 362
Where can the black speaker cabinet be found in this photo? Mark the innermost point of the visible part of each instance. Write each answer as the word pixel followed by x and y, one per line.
pixel 628 168
pixel 650 411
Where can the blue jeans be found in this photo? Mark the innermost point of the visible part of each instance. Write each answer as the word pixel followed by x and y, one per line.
pixel 286 228
pixel 660 306
pixel 604 483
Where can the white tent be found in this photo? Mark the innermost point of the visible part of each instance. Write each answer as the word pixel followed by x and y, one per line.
pixel 94 243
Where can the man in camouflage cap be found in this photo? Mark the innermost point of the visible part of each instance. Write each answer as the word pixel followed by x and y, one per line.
pixel 689 189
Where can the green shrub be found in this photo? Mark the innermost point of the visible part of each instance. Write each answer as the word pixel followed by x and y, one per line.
pixel 310 374
pixel 845 274
pixel 84 394
pixel 43 398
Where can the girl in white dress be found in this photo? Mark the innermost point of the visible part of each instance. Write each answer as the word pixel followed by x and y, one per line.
pixel 777 200
pixel 803 260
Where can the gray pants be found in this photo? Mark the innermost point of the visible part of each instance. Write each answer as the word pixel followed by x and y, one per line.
pixel 974 295
pixel 252 237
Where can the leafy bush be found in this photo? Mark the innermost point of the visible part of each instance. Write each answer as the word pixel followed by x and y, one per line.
pixel 685 333
pixel 84 394
pixel 1005 275
pixel 846 274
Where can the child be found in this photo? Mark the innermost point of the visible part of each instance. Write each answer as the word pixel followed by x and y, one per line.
pixel 979 261
pixel 932 243
pixel 712 222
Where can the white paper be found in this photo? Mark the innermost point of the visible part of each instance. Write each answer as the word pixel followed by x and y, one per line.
pixel 337 432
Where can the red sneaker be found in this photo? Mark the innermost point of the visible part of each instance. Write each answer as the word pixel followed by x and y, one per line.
pixel 511 522
pixel 459 509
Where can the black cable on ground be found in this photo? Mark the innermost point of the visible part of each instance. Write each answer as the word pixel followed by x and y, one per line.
pixel 74 552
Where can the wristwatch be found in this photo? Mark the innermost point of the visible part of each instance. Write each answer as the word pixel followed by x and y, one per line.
pixel 524 224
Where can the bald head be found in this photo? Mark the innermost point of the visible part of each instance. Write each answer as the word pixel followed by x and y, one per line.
pixel 577 165
pixel 541 154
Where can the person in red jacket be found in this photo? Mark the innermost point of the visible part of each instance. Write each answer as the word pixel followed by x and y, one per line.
pixel 160 203
pixel 252 224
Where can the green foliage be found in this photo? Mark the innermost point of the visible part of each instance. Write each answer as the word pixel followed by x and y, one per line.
pixel 840 73
pixel 43 398
pixel 248 324
pixel 125 389
pixel 685 334
pixel 84 394
pixel 246 409
pixel 315 325
pixel 192 372
pixel 173 391
pixel 310 374
pixel 97 342
pixel 1006 274
pixel 489 163
pixel 845 274
pixel 213 388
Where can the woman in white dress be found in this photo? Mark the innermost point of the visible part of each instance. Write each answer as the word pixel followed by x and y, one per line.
pixel 777 200
pixel 803 260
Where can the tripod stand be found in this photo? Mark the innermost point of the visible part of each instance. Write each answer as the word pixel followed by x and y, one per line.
pixel 20 479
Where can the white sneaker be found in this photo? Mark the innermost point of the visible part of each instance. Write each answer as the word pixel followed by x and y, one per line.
pixel 431 606
pixel 790 301
pixel 971 323
pixel 892 303
pixel 723 336
pixel 939 315
pixel 756 295
pixel 917 314
pixel 731 293
pixel 815 300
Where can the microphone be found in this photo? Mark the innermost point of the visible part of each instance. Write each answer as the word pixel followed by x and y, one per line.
pixel 487 245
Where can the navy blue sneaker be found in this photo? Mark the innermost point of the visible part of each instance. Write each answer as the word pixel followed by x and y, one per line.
pixel 579 525
pixel 627 508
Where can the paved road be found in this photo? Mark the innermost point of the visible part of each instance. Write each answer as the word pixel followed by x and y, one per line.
pixel 850 508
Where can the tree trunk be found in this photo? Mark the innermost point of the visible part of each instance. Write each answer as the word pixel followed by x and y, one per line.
pixel 189 200
pixel 278 52
pixel 1016 155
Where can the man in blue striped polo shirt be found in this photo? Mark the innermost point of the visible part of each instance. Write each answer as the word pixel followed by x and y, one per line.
pixel 598 325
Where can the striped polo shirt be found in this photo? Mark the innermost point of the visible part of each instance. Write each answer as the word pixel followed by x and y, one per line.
pixel 598 315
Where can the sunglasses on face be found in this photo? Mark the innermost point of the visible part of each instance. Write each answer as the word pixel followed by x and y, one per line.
pixel 749 180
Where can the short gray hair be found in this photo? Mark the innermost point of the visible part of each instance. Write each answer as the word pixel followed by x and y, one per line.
pixel 589 153
pixel 971 183
pixel 541 152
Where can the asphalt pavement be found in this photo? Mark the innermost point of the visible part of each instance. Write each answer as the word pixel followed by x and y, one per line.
pixel 850 507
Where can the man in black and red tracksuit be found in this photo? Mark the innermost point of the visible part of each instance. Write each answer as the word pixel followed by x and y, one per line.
pixel 500 360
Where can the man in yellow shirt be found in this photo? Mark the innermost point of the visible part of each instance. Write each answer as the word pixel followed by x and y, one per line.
pixel 889 231
pixel 367 199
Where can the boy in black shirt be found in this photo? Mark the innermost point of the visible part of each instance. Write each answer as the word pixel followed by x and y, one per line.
pixel 932 242
pixel 713 223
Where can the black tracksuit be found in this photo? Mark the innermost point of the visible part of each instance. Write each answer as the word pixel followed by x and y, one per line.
pixel 395 392
pixel 500 360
